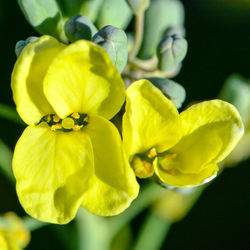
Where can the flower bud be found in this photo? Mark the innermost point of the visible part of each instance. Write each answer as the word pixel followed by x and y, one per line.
pixel 171 51
pixel 236 90
pixel 175 30
pixel 114 41
pixel 45 16
pixel 22 43
pixel 174 91
pixel 138 6
pixel 89 8
pixel 79 27
pixel 160 15
pixel 114 12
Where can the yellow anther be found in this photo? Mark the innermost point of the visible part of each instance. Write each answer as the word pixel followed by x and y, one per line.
pixel 68 123
pixel 75 115
pixel 77 127
pixel 152 153
pixel 170 156
pixel 48 118
pixel 86 119
pixel 56 118
pixel 56 126
pixel 143 169
pixel 172 171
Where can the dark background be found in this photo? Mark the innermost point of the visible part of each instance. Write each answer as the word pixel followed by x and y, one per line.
pixel 219 37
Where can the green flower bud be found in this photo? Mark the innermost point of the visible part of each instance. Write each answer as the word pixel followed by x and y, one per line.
pixel 138 6
pixel 175 30
pixel 174 91
pixel 171 51
pixel 114 12
pixel 79 27
pixel 114 41
pixel 45 16
pixel 236 90
pixel 22 43
pixel 89 8
pixel 160 15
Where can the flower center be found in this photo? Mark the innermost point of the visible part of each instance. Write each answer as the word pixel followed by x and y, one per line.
pixel 73 122
pixel 143 163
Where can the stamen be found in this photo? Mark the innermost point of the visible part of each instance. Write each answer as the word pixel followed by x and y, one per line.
pixel 77 127
pixel 143 169
pixel 56 118
pixel 75 115
pixel 172 171
pixel 86 119
pixel 47 118
pixel 152 153
pixel 56 126
pixel 170 156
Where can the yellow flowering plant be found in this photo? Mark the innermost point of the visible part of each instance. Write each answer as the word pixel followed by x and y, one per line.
pixel 181 149
pixel 70 155
pixel 89 142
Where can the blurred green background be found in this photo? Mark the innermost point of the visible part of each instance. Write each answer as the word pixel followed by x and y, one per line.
pixel 219 38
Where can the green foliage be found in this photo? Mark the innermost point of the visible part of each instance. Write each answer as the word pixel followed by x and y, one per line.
pixel 114 41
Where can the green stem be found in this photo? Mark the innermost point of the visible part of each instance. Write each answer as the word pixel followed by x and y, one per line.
pixel 5 161
pixel 33 224
pixel 9 113
pixel 153 233
pixel 147 196
pixel 139 28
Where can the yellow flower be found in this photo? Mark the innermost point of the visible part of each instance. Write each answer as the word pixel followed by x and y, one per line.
pixel 181 149
pixel 70 155
pixel 13 234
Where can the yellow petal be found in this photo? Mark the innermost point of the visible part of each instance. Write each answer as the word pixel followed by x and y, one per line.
pixel 83 79
pixel 27 78
pixel 3 242
pixel 178 179
pixel 52 170
pixel 114 185
pixel 210 131
pixel 217 119
pixel 150 120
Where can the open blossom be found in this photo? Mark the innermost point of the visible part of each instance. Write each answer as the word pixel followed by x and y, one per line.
pixel 70 155
pixel 181 149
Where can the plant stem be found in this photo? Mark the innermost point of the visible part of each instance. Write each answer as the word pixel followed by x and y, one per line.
pixel 33 224
pixel 147 196
pixel 139 26
pixel 5 161
pixel 153 233
pixel 9 113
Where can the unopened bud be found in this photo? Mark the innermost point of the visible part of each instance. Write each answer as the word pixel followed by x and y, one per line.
pixel 114 12
pixel 174 91
pixel 79 27
pixel 22 43
pixel 114 41
pixel 171 51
